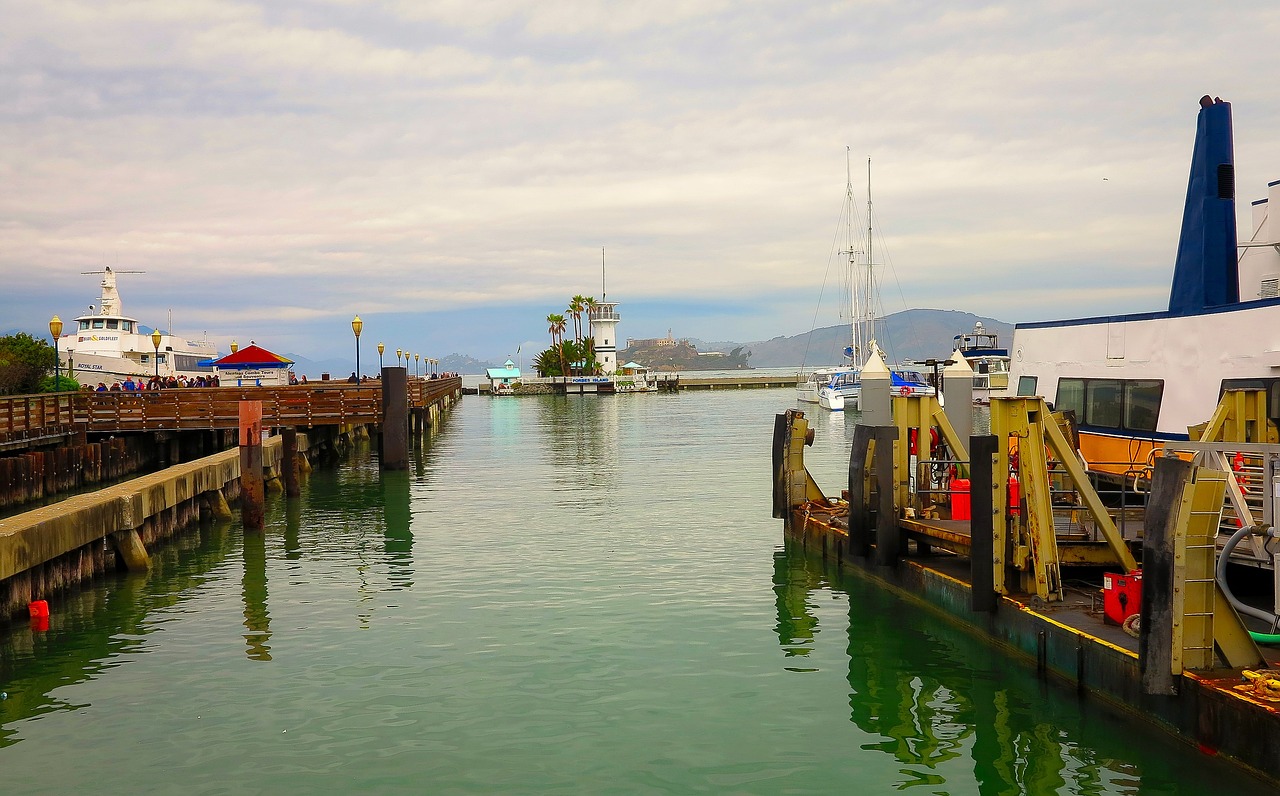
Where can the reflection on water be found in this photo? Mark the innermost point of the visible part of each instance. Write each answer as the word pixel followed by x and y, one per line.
pixel 257 619
pixel 943 703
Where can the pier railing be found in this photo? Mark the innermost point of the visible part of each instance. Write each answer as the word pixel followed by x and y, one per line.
pixel 33 417
pixel 30 418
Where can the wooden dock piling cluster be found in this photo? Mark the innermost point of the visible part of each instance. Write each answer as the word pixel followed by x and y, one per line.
pixel 35 475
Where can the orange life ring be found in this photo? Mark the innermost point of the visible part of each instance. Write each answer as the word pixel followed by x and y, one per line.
pixel 904 392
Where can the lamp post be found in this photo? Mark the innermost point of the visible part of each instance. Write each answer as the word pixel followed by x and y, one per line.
pixel 356 326
pixel 398 354
pixel 155 341
pixel 416 359
pixel 381 348
pixel 234 346
pixel 55 329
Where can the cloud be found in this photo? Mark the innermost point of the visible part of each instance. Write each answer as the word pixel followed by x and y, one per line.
pixel 282 166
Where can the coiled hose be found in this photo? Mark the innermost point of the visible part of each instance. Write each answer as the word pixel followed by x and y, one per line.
pixel 1221 575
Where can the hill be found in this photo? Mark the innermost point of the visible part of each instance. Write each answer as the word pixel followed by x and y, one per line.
pixel 909 335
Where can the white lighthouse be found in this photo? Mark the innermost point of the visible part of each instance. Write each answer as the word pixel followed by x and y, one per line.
pixel 604 330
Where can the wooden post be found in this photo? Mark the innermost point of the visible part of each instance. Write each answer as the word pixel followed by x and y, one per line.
pixel 289 461
pixel 888 534
pixel 982 531
pixel 395 418
pixel 252 489
pixel 1155 634
pixel 859 514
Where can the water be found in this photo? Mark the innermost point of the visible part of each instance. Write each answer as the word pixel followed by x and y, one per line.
pixel 569 596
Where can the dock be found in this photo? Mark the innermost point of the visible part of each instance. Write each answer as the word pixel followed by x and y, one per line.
pixel 67 441
pixel 1184 660
pixel 676 382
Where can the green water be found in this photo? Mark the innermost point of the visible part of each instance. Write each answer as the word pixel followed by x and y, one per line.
pixel 560 596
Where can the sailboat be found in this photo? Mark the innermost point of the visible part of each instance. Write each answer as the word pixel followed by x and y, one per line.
pixel 843 386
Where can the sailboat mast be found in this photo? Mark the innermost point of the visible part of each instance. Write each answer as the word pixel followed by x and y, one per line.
pixel 871 276
pixel 855 305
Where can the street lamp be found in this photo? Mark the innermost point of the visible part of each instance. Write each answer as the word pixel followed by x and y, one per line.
pixel 416 359
pixel 398 353
pixel 234 346
pixel 155 341
pixel 55 329
pixel 356 326
pixel 381 348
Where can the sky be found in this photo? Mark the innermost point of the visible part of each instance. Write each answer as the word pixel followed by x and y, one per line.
pixel 451 170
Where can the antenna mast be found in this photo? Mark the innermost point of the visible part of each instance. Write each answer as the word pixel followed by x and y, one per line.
pixel 603 295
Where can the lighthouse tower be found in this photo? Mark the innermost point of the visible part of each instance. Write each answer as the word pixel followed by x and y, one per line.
pixel 604 330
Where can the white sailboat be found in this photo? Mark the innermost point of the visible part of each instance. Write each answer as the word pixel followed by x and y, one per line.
pixel 843 388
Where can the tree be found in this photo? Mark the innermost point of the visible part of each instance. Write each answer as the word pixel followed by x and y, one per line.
pixel 556 324
pixel 576 306
pixel 24 360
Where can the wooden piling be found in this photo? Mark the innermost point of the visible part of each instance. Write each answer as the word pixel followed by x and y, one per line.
pixel 1155 630
pixel 888 532
pixel 395 418
pixel 289 461
pixel 252 497
pixel 859 514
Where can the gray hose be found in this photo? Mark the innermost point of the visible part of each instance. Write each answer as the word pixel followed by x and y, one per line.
pixel 1221 576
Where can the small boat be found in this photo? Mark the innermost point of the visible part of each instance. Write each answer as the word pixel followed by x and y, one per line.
pixel 106 345
pixel 990 363
pixel 634 377
pixel 910 382
pixel 843 388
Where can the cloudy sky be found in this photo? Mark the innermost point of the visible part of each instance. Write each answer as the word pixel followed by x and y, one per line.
pixel 450 169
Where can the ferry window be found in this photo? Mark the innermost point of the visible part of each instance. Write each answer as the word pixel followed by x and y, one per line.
pixel 1070 397
pixel 97 324
pixel 113 324
pixel 145 358
pixel 1102 402
pixel 1027 385
pixel 84 325
pixel 160 358
pixel 126 326
pixel 1142 404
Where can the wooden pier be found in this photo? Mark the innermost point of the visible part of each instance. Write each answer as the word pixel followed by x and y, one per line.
pixel 66 441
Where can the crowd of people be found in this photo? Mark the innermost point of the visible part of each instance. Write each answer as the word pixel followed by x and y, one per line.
pixel 176 382
pixel 154 383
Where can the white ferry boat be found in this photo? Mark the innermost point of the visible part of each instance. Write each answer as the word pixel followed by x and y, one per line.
pixel 107 346
pixel 1137 381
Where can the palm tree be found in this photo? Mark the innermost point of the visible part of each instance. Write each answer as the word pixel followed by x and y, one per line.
pixel 556 324
pixel 588 304
pixel 576 307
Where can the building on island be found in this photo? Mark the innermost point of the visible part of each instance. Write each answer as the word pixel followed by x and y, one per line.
pixel 502 381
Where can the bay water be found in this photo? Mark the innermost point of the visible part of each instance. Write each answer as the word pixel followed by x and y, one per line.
pixel 581 595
